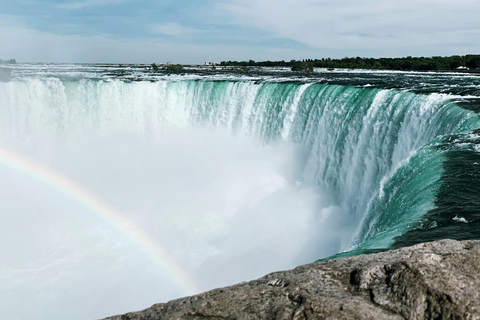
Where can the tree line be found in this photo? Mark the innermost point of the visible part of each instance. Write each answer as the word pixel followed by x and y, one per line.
pixel 405 64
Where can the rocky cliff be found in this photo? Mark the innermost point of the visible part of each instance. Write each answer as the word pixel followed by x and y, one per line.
pixel 438 280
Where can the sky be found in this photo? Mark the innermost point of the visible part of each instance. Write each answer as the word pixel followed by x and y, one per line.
pixel 195 31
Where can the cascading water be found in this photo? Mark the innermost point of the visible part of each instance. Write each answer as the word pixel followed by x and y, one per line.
pixel 234 177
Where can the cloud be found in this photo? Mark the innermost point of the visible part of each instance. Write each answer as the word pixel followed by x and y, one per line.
pixel 173 30
pixel 29 45
pixel 87 3
pixel 370 24
pixel 188 32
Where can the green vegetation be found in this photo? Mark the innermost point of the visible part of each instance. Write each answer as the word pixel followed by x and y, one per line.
pixel 11 61
pixel 303 66
pixel 406 63
pixel 174 67
pixel 167 67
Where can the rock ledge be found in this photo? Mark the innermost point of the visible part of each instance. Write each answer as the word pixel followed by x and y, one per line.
pixel 437 280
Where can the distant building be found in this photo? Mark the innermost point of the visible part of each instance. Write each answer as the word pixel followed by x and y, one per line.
pixel 209 63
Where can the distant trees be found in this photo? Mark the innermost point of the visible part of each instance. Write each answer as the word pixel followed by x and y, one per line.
pixel 168 67
pixel 409 63
pixel 405 63
pixel 11 61
pixel 174 67
pixel 302 66
pixel 472 61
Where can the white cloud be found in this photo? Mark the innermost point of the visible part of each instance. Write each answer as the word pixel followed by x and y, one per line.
pixel 384 26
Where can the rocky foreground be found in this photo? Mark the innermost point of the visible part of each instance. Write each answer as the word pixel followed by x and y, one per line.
pixel 438 280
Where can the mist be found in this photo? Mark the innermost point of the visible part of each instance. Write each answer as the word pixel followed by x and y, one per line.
pixel 226 207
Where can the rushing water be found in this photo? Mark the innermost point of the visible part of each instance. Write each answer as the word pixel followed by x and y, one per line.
pixel 233 175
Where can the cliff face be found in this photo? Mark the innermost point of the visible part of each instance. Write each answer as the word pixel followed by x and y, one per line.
pixel 438 280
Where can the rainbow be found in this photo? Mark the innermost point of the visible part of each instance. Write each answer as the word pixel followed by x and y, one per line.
pixel 146 243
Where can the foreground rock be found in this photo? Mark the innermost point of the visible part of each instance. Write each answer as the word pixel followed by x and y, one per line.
pixel 438 280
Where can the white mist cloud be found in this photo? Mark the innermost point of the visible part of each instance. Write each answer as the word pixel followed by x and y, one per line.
pixel 228 210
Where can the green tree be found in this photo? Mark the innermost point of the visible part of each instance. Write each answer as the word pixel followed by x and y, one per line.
pixel 303 66
pixel 174 67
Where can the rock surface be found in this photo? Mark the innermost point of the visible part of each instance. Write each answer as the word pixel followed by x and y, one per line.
pixel 438 280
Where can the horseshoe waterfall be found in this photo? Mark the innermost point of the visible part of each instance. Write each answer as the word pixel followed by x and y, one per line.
pixel 124 187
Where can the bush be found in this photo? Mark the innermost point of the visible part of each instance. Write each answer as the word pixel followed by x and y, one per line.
pixel 302 66
pixel 174 67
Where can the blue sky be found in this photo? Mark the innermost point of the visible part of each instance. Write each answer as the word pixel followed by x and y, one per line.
pixel 193 31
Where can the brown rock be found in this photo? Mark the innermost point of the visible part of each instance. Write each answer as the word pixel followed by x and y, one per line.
pixel 438 280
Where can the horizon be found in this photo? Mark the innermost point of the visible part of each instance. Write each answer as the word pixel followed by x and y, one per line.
pixel 218 62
